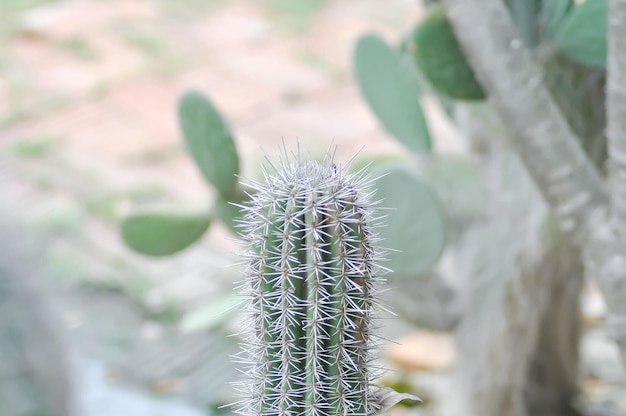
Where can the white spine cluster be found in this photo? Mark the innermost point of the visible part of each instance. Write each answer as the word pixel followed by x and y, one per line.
pixel 311 267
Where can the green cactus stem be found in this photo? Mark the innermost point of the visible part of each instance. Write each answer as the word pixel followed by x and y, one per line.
pixel 311 275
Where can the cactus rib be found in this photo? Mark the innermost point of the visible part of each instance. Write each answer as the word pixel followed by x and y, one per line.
pixel 312 269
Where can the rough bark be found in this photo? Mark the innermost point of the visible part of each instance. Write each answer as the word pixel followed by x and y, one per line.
pixel 606 252
pixel 518 337
pixel 528 362
pixel 605 262
pixel 554 158
pixel 616 114
pixel 427 301
pixel 551 383
pixel 566 178
pixel 33 376
pixel 549 149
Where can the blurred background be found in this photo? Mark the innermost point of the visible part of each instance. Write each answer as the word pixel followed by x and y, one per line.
pixel 89 134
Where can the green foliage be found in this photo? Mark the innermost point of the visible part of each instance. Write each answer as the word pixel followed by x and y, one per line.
pixel 36 146
pixel 415 224
pixel 581 34
pixel 212 315
pixel 439 58
pixel 211 145
pixel 162 234
pixel 553 12
pixel 296 6
pixel 228 208
pixel 579 92
pixel 103 206
pixel 33 373
pixel 524 14
pixel 391 90
pixel 209 141
pixel 63 221
pixel 146 39
pixel 373 162
pixel 20 5
pixel 457 183
pixel 81 48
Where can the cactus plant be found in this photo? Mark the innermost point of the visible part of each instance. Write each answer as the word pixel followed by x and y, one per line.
pixel 311 276
pixel 210 143
pixel 162 234
pixel 581 33
pixel 438 56
pixel 391 89
pixel 552 13
pixel 415 226
pixel 33 374
pixel 516 53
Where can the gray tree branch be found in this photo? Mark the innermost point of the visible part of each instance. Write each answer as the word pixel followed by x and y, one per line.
pixel 514 82
pixel 547 146
pixel 606 252
pixel 616 114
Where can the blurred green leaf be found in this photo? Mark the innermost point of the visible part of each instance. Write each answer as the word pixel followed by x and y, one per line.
pixel 415 225
pixel 209 141
pixel 227 208
pixel 553 12
pixel 36 146
pixel 162 234
pixel 450 173
pixel 297 7
pixel 439 58
pixel 458 186
pixel 373 162
pixel 581 35
pixel 19 5
pixel 210 316
pixel 524 13
pixel 390 88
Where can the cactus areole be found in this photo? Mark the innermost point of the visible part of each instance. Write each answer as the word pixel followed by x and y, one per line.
pixel 311 273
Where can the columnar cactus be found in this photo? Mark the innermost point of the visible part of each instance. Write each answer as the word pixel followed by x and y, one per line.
pixel 33 377
pixel 311 275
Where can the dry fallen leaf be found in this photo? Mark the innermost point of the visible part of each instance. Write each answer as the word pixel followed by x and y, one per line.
pixel 386 398
pixel 425 350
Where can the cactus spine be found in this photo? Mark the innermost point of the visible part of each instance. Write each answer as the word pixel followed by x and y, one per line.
pixel 311 276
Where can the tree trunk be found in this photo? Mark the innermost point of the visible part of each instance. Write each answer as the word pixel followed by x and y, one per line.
pixel 565 176
pixel 616 114
pixel 540 134
pixel 519 336
pixel 606 252
pixel 551 383
pixel 528 363
pixel 33 375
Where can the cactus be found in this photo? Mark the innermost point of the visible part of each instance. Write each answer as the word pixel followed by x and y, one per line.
pixel 162 234
pixel 581 33
pixel 415 225
pixel 33 377
pixel 552 14
pixel 211 145
pixel 439 57
pixel 209 141
pixel 388 83
pixel 311 275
